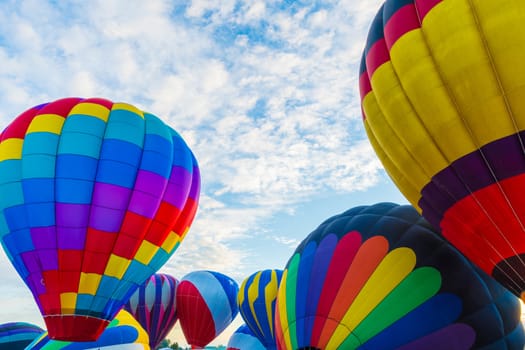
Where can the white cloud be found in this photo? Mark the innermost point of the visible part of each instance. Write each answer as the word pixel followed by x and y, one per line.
pixel 265 93
pixel 298 65
pixel 253 11
pixel 290 242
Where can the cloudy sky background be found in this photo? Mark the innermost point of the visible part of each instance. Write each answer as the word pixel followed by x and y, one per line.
pixel 264 92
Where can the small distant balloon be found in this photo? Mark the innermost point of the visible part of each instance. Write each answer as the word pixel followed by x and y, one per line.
pixel 256 300
pixel 17 335
pixel 123 333
pixel 379 277
pixel 206 304
pixel 95 197
pixel 244 339
pixel 154 306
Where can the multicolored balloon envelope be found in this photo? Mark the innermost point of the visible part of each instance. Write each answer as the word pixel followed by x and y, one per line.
pixel 244 339
pixel 378 277
pixel 154 306
pixel 95 197
pixel 123 333
pixel 256 301
pixel 443 96
pixel 17 335
pixel 206 305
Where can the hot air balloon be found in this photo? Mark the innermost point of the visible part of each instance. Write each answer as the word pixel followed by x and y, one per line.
pixel 244 339
pixel 442 88
pixel 17 335
pixel 95 197
pixel 256 301
pixel 123 333
pixel 379 277
pixel 154 306
pixel 206 306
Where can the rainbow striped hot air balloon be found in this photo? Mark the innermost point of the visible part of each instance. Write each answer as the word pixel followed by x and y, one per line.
pixel 123 333
pixel 443 88
pixel 244 339
pixel 256 300
pixel 17 335
pixel 378 277
pixel 95 197
pixel 154 306
pixel 206 305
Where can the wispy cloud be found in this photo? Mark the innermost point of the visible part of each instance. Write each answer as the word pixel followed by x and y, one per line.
pixel 264 92
pixel 291 242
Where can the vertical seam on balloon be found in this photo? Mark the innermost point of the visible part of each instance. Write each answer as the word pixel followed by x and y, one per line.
pixel 512 117
pixel 454 102
pixel 119 285
pixel 37 258
pixel 271 287
pixel 162 195
pixel 59 274
pixel 393 129
pixel 417 116
pixel 87 227
pixel 122 285
pixel 254 286
pixel 159 281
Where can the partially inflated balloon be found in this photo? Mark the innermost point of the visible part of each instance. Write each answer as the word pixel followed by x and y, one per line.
pixel 17 335
pixel 95 197
pixel 443 90
pixel 206 305
pixel 154 306
pixel 123 333
pixel 378 277
pixel 244 339
pixel 256 300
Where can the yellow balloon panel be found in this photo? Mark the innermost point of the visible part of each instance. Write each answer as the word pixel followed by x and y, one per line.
pixel 443 96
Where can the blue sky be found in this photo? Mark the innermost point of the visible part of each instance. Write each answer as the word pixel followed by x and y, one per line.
pixel 264 92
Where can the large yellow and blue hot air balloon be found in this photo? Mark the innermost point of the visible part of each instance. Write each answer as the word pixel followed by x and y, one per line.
pixel 256 300
pixel 94 197
pixel 378 277
pixel 443 97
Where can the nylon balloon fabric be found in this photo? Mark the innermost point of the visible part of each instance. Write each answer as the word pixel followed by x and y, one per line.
pixel 123 333
pixel 154 306
pixel 95 197
pixel 17 335
pixel 442 92
pixel 206 305
pixel 256 301
pixel 379 277
pixel 244 339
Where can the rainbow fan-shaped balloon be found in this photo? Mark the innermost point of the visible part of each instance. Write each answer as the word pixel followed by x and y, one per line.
pixel 378 277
